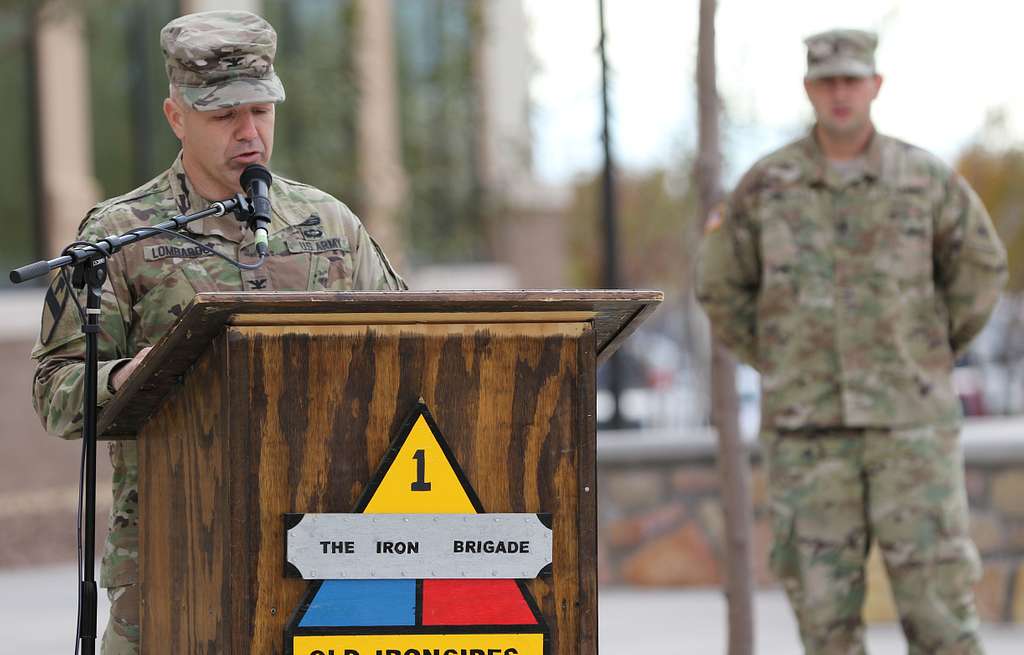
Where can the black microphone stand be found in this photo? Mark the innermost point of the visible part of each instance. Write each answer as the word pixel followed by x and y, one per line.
pixel 89 265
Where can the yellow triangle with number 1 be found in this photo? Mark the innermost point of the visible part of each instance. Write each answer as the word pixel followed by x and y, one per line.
pixel 421 478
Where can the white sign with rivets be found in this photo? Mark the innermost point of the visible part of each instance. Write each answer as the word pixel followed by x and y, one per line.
pixel 417 546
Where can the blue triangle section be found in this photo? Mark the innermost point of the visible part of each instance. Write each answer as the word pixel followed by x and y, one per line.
pixel 350 603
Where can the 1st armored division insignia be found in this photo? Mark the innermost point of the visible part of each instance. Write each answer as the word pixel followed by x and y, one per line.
pixel 418 567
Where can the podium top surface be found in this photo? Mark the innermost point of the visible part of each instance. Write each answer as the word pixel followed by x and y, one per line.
pixel 615 314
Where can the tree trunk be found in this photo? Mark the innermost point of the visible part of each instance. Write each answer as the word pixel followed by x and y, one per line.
pixel 67 182
pixel 733 464
pixel 380 155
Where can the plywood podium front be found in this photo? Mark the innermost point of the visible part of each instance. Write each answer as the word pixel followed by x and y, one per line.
pixel 255 405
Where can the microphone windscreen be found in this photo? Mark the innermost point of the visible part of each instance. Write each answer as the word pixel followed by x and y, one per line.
pixel 255 172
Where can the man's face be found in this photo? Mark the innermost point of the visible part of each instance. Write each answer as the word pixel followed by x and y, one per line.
pixel 842 105
pixel 218 145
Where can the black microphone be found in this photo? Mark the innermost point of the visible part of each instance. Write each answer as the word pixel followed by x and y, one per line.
pixel 255 181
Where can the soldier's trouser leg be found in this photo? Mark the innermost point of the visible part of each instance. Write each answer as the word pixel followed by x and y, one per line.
pixel 820 534
pixel 122 634
pixel 918 513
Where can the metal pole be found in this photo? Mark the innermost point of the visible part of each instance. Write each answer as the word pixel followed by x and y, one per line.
pixel 95 272
pixel 609 220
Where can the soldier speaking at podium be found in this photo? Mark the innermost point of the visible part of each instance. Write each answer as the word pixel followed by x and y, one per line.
pixel 221 104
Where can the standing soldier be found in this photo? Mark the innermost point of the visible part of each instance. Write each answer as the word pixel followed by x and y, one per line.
pixel 221 105
pixel 851 269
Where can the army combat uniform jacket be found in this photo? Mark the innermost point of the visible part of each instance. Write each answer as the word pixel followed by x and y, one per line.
pixel 316 244
pixel 851 294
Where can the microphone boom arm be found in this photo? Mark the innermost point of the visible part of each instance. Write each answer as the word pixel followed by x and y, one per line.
pixel 104 248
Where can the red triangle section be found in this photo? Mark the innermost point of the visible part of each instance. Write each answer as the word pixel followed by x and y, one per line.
pixel 475 602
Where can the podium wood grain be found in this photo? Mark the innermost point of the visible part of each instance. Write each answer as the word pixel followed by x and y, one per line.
pixel 296 418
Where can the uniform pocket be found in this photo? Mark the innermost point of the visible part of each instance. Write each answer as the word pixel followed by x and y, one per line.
pixel 779 254
pixel 161 306
pixel 910 240
pixel 331 271
pixel 121 551
pixel 783 558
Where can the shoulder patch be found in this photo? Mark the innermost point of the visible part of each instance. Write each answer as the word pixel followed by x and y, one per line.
pixel 54 304
pixel 715 218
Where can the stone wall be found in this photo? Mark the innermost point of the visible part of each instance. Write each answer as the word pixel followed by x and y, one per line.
pixel 660 515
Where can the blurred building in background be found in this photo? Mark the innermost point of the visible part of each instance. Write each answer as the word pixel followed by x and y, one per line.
pixel 433 150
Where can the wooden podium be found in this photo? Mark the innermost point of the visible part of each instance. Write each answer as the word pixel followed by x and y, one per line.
pixel 255 405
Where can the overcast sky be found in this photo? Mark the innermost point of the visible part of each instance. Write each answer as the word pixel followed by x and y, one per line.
pixel 946 63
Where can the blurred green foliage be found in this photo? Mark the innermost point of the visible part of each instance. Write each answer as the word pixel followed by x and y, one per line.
pixel 438 109
pixel 658 229
pixel 17 202
pixel 316 139
pixel 994 166
pixel 132 142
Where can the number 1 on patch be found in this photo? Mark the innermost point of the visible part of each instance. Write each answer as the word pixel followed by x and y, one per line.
pixel 421 471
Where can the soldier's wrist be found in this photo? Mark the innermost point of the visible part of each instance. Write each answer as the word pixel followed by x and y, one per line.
pixel 117 366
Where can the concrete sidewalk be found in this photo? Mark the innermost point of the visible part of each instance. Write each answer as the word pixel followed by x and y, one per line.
pixel 635 622
pixel 38 610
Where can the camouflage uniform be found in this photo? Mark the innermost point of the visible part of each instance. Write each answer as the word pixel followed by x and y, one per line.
pixel 852 294
pixel 316 244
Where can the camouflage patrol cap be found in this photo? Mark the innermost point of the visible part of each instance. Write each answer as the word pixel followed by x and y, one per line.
pixel 221 59
pixel 841 53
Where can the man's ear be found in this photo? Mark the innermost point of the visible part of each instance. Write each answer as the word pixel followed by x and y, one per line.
pixel 878 84
pixel 807 88
pixel 175 116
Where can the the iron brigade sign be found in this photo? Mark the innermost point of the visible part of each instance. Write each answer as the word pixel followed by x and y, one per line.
pixel 419 568
pixel 376 546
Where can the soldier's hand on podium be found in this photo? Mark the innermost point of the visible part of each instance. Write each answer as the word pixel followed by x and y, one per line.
pixel 121 374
